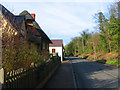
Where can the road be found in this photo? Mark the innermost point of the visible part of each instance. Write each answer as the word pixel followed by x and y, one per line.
pixel 90 74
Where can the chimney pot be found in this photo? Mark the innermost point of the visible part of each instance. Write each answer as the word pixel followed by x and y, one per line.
pixel 33 15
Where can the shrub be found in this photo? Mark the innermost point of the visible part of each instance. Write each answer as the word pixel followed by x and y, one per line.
pixel 112 58
pixel 22 58
pixel 116 63
pixel 101 61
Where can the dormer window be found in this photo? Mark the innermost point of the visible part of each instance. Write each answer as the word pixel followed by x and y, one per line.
pixel 30 24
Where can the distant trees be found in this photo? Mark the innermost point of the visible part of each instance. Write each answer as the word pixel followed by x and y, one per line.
pixel 105 40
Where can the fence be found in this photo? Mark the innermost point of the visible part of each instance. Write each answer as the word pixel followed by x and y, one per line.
pixel 29 78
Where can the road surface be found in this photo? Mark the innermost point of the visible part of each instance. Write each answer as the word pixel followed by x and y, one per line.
pixel 90 74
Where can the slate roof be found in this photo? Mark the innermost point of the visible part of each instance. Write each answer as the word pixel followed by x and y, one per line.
pixel 16 21
pixel 31 37
pixel 19 20
pixel 38 28
pixel 33 29
pixel 56 43
pixel 36 25
pixel 27 15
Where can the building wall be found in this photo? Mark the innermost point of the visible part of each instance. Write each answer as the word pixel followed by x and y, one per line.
pixel 34 46
pixel 0 41
pixel 45 45
pixel 7 28
pixel 58 50
pixel 10 36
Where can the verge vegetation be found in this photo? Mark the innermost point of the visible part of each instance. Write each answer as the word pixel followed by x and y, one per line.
pixel 102 45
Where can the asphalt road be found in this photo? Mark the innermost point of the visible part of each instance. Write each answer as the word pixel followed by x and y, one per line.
pixel 90 74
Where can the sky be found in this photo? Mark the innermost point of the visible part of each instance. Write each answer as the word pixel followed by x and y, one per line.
pixel 61 19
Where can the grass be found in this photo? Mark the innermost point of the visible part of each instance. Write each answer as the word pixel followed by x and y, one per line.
pixel 113 63
pixel 104 58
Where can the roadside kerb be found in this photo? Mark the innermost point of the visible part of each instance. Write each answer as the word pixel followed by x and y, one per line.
pixel 74 80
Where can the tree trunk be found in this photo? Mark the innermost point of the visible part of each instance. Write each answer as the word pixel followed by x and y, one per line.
pixel 110 46
pixel 83 44
pixel 93 46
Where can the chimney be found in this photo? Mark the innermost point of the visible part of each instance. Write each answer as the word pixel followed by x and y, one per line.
pixel 33 15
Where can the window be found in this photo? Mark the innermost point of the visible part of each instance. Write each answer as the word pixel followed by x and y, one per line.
pixel 53 50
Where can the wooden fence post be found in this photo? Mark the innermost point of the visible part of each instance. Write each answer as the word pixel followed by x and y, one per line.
pixel 2 77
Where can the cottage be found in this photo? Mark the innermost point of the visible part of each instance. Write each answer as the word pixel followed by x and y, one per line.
pixel 21 32
pixel 11 27
pixel 32 26
pixel 12 36
pixel 56 48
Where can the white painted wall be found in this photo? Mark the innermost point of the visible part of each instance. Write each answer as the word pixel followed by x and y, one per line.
pixel 57 50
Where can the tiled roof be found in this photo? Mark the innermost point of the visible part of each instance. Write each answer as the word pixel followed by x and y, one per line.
pixel 56 43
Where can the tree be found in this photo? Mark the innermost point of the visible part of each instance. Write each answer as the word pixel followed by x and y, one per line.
pixel 105 40
pixel 104 32
pixel 69 49
pixel 84 38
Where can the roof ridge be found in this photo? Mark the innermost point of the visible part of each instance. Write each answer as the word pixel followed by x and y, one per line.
pixel 57 39
pixel 27 14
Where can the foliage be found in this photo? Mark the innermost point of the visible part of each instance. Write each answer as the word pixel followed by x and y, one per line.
pixel 112 58
pixel 22 58
pixel 101 61
pixel 16 51
pixel 113 63
pixel 105 40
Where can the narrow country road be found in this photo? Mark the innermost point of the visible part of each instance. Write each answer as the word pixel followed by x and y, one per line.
pixel 90 74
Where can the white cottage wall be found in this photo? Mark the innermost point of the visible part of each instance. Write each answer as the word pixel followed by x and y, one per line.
pixel 58 50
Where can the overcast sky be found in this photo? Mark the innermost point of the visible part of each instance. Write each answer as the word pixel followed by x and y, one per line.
pixel 61 19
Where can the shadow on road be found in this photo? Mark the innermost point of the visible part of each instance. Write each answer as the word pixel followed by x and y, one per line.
pixel 71 58
pixel 91 74
pixel 98 66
